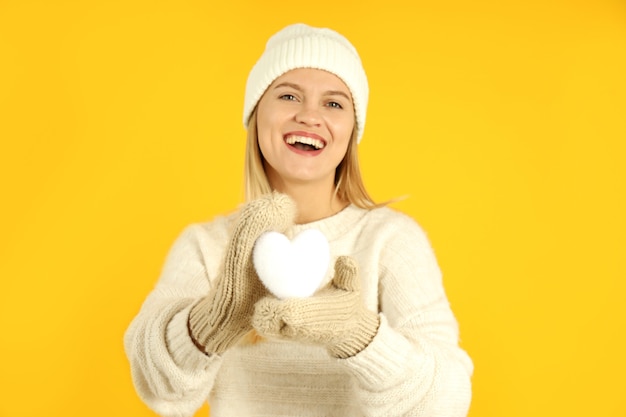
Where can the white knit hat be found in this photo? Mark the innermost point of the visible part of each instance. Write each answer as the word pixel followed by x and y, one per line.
pixel 303 46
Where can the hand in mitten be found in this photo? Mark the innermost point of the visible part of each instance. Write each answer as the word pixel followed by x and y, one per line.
pixel 335 317
pixel 222 318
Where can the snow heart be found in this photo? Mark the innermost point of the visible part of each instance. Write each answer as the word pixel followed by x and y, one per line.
pixel 291 268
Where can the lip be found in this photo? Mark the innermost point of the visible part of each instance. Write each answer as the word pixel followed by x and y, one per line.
pixel 307 135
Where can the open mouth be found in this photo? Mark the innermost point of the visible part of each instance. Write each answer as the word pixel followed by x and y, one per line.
pixel 305 143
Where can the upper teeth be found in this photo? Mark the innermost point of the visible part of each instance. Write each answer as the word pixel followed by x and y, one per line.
pixel 316 143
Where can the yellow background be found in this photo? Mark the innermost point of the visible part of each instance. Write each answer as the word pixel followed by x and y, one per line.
pixel 503 121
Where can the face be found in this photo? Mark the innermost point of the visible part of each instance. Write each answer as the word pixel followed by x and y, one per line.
pixel 305 121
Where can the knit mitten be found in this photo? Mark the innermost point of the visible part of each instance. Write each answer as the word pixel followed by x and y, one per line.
pixel 222 318
pixel 335 317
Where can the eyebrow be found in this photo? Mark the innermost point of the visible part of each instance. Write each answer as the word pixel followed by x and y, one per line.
pixel 327 93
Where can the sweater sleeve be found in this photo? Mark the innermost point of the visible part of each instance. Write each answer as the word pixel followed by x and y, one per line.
pixel 414 365
pixel 169 373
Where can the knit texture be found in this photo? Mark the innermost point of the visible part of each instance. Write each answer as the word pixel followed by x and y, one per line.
pixel 221 318
pixel 413 366
pixel 335 317
pixel 303 46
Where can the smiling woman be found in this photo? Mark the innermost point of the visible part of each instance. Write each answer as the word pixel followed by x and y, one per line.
pixel 377 326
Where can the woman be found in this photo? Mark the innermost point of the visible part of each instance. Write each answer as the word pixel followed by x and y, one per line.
pixel 377 339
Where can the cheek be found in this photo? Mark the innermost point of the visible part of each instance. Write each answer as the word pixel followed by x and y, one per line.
pixel 264 115
pixel 261 122
pixel 268 123
pixel 264 145
pixel 342 130
pixel 265 141
pixel 263 131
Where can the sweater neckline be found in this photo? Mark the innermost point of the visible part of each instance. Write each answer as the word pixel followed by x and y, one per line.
pixel 335 225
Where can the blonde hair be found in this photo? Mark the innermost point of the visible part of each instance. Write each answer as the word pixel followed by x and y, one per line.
pixel 349 184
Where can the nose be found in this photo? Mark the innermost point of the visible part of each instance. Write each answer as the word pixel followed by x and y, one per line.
pixel 308 116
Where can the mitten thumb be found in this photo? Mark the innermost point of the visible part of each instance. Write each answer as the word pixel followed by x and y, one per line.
pixel 346 275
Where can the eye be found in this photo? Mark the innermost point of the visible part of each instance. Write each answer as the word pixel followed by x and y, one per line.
pixel 289 97
pixel 335 105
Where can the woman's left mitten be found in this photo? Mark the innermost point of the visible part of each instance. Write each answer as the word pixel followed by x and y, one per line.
pixel 335 317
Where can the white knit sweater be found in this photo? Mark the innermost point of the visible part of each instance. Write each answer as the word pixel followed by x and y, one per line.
pixel 413 366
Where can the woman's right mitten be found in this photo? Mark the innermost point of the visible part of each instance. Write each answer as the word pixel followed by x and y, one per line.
pixel 223 317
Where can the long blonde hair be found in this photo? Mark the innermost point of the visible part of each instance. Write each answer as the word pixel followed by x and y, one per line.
pixel 349 184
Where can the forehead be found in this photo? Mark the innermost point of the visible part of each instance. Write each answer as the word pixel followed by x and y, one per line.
pixel 313 78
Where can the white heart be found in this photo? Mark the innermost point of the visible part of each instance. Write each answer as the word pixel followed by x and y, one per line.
pixel 292 269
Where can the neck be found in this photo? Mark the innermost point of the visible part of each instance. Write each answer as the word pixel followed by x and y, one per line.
pixel 314 201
